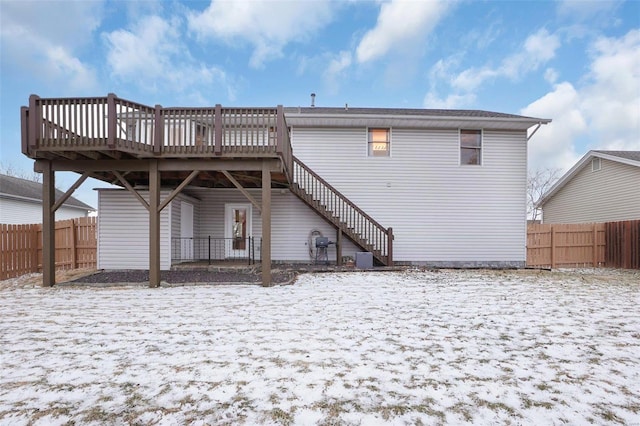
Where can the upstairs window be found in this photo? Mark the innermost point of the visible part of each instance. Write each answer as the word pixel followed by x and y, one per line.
pixel 379 142
pixel 595 164
pixel 470 147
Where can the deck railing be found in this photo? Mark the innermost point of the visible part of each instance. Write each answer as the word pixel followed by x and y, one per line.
pixel 209 249
pixel 112 123
pixel 342 212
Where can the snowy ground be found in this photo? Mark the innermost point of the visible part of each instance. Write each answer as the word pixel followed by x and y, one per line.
pixel 448 347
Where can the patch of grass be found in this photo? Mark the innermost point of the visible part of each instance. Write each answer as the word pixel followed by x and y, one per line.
pixel 96 415
pixel 281 417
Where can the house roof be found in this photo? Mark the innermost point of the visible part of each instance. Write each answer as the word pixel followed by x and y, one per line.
pixel 29 190
pixel 407 117
pixel 631 158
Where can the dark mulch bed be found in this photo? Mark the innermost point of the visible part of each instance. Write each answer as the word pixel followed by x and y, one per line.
pixel 183 277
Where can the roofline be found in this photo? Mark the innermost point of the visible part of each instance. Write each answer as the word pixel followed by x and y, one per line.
pixel 374 116
pixel 577 167
pixel 38 201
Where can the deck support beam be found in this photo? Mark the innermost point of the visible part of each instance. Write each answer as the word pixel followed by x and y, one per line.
pixel 48 226
pixel 266 225
pixel 241 189
pixel 154 224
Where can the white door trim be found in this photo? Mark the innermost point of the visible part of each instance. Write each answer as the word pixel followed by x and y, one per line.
pixel 229 208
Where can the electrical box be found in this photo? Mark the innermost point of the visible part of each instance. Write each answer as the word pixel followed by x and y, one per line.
pixel 364 260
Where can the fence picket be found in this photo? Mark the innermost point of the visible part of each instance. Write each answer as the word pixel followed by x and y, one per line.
pixel 21 246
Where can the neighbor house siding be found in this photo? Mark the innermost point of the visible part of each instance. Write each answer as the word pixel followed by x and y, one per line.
pixel 14 211
pixel 607 195
pixel 440 211
pixel 123 231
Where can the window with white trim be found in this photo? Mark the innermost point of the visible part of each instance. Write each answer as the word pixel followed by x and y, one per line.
pixel 470 147
pixel 379 141
pixel 595 164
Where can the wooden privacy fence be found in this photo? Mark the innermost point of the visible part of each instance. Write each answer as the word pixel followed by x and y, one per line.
pixel 612 244
pixel 21 246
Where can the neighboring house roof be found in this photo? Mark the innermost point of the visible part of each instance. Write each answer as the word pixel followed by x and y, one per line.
pixel 407 117
pixel 631 158
pixel 29 190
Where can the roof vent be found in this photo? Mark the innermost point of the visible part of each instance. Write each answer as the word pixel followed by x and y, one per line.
pixel 346 107
pixel 313 100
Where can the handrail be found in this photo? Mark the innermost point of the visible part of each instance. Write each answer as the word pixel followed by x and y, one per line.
pixel 118 124
pixel 343 212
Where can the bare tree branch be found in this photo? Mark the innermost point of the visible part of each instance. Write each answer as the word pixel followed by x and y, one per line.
pixel 538 183
pixel 9 169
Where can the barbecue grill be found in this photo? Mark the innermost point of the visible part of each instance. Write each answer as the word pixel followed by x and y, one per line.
pixel 322 246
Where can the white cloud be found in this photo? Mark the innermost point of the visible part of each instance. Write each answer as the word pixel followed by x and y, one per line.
pixel 267 25
pixel 604 113
pixel 551 75
pixel 400 22
pixel 452 101
pixel 153 56
pixel 579 10
pixel 335 71
pixel 537 49
pixel 34 38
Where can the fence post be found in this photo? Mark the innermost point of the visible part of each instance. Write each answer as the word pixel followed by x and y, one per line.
pixel 209 250
pixel 553 247
pixel 74 256
pixel 595 245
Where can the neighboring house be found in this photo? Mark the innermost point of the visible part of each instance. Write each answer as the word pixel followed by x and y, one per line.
pixel 21 202
pixel 411 186
pixel 604 186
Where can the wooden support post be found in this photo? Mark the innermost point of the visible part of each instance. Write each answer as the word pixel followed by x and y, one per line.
pixel 158 134
pixel 266 225
pixel 390 247
pixel 217 130
pixel 339 248
pixel 112 121
pixel 48 226
pixel 154 224
pixel 35 123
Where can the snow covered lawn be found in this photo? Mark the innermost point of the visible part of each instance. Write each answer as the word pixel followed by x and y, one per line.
pixel 480 347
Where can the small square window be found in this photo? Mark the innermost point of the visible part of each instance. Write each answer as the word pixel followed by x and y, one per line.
pixel 379 142
pixel 471 147
pixel 595 164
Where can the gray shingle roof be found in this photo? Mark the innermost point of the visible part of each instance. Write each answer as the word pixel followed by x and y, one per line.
pixel 25 188
pixel 402 111
pixel 629 155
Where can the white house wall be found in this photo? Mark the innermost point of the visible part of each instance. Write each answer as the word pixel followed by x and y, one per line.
pixel 291 222
pixel 607 195
pixel 440 211
pixel 123 231
pixel 14 212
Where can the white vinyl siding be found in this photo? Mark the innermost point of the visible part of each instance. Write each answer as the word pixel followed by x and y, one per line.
pixel 439 211
pixel 14 212
pixel 291 222
pixel 123 231
pixel 606 195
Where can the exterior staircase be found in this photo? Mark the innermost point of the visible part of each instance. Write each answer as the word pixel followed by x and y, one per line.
pixel 342 213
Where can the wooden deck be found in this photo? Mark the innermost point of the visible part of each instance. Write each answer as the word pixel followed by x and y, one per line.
pixel 138 146
pixel 109 132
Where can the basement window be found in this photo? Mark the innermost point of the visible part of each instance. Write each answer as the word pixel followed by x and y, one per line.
pixel 470 147
pixel 595 164
pixel 379 141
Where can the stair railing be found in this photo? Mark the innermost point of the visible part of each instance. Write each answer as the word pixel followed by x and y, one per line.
pixel 343 213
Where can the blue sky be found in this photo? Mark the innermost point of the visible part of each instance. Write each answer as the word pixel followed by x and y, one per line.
pixel 576 62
